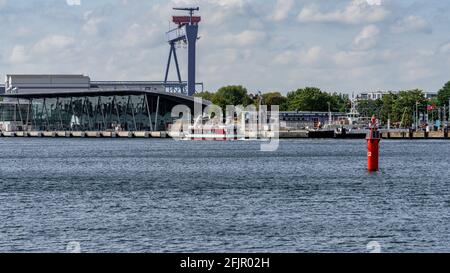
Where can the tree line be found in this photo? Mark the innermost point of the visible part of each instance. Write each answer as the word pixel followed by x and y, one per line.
pixel 398 107
pixel 304 99
pixel 404 107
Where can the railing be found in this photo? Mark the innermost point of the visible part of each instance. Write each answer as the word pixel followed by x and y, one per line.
pixel 133 82
pixel 176 34
pixel 170 87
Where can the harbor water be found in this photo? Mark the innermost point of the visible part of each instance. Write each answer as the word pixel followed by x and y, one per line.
pixel 157 195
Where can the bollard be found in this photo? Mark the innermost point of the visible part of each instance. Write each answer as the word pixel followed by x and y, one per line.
pixel 373 143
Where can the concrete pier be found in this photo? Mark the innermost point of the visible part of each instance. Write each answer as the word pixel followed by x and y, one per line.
pixel 436 135
pixel 61 134
pixel 125 134
pixel 141 134
pixel 8 134
pixel 294 134
pixel 415 135
pixel 49 134
pixel 78 134
pixel 159 134
pixel 108 134
pixel 35 134
pixel 21 134
pixel 87 134
pixel 419 135
pixel 163 134
pixel 93 134
pixel 395 135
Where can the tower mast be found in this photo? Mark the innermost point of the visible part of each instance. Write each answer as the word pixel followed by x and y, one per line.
pixel 187 32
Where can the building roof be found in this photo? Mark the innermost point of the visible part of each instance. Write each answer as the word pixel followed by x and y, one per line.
pixel 309 113
pixel 181 98
pixel 47 75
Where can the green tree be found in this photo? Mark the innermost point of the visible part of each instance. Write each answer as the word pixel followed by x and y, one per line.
pixel 444 94
pixel 232 95
pixel 308 99
pixel 368 108
pixel 387 107
pixel 405 105
pixel 340 103
pixel 275 98
pixel 205 95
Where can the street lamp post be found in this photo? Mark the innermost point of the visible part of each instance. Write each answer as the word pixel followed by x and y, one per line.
pixel 417 116
pixel 444 118
pixel 330 121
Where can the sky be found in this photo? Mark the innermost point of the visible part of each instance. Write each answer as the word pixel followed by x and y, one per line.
pixel 347 46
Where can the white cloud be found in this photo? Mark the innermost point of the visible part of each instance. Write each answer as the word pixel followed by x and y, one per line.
pixel 92 26
pixel 374 2
pixel 141 35
pixel 73 2
pixel 245 38
pixel 239 42
pixel 414 70
pixel 445 48
pixel 53 44
pixel 357 11
pixel 367 38
pixel 18 55
pixel 282 10
pixel 312 57
pixel 411 24
pixel 222 3
pixel 353 59
pixel 286 57
pixel 52 50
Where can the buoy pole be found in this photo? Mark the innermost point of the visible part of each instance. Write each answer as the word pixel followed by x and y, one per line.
pixel 373 146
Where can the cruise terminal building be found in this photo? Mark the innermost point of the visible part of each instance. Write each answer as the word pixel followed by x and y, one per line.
pixel 75 103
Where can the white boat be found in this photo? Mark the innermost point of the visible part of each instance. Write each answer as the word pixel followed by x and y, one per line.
pixel 208 129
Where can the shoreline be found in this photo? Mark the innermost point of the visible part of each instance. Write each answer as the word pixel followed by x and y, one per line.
pixel 298 134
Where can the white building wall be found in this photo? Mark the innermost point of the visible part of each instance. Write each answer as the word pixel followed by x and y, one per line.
pixel 37 83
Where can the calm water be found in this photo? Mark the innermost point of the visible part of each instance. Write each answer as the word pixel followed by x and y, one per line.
pixel 165 196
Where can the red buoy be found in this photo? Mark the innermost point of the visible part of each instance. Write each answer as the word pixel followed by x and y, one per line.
pixel 373 143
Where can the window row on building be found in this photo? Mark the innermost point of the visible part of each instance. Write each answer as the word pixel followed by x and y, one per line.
pixel 89 113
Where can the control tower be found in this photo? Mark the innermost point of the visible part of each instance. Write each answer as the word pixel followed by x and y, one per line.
pixel 186 32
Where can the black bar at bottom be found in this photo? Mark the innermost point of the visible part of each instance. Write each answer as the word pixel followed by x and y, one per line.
pixel 223 262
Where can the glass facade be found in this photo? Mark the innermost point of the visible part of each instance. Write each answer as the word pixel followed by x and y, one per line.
pixel 9 112
pixel 90 113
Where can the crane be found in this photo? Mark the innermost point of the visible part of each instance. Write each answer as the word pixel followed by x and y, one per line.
pixel 186 32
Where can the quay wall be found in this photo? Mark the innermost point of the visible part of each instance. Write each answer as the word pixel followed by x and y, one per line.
pixel 297 134
pixel 82 134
